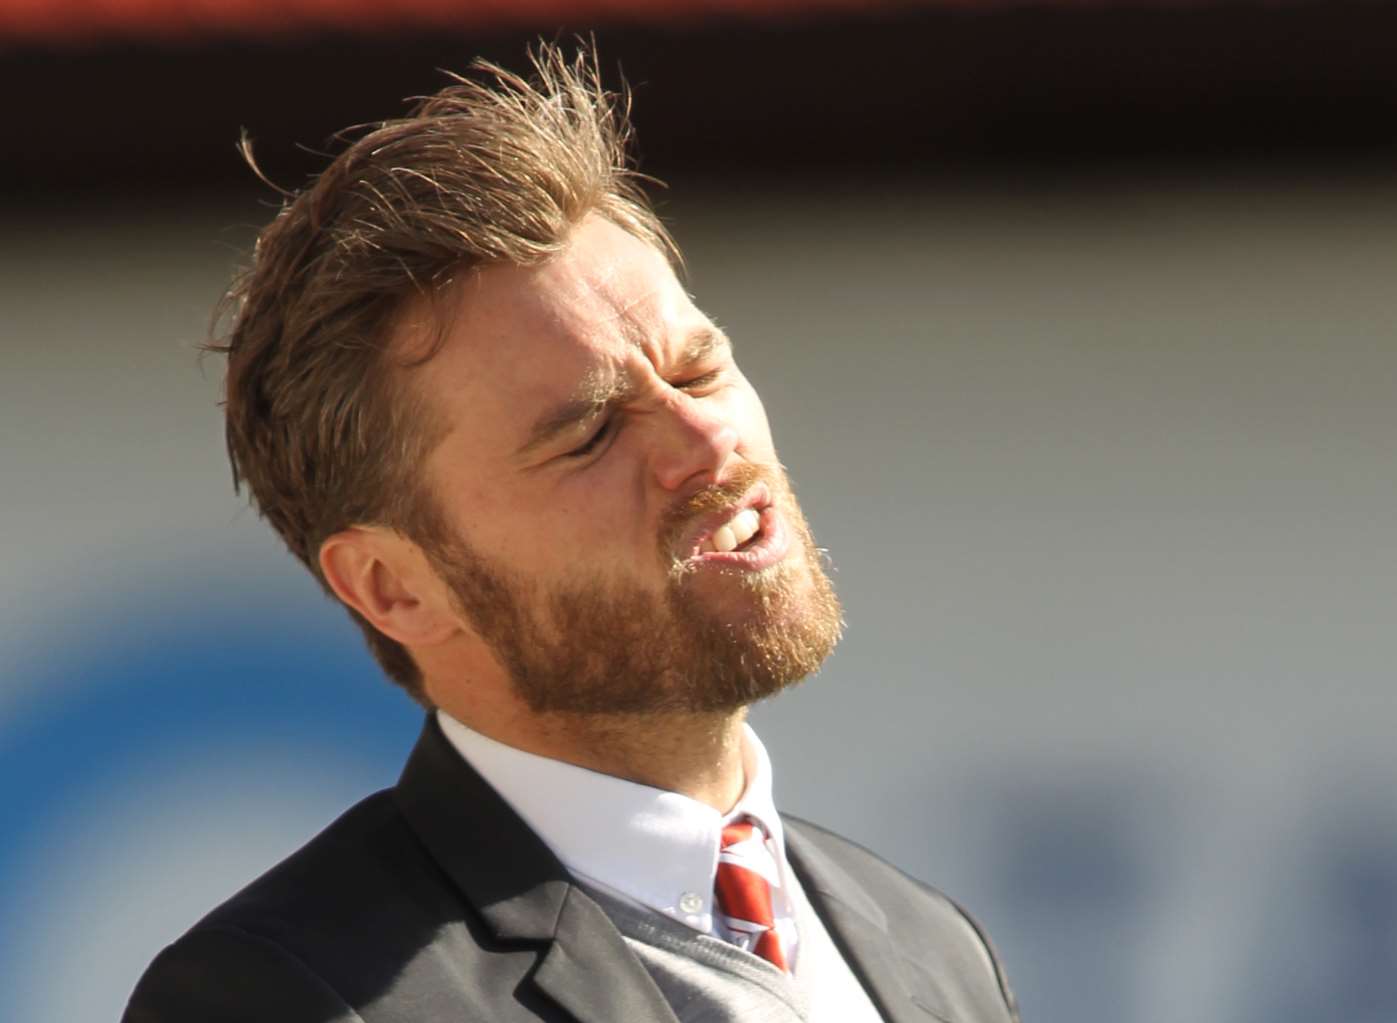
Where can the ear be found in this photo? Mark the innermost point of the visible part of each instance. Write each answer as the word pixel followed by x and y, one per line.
pixel 388 580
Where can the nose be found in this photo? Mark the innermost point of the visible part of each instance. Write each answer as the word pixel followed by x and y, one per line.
pixel 695 445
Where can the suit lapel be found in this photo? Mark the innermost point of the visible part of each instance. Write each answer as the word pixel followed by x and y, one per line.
pixel 859 929
pixel 591 973
pixel 521 890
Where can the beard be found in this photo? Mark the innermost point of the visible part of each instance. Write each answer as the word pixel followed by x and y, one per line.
pixel 608 645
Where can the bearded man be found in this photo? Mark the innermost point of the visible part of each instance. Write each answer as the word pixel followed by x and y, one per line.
pixel 467 389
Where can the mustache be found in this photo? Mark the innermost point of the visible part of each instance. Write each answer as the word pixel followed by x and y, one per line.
pixel 713 498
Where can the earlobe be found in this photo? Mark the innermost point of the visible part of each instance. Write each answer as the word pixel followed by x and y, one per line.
pixel 384 579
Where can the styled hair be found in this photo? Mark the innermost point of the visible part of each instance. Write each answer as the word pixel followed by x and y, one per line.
pixel 493 169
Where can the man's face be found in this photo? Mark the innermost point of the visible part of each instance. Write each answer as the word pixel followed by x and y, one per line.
pixel 619 529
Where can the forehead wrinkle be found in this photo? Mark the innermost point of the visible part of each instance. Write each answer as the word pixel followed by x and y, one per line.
pixel 696 344
pixel 636 317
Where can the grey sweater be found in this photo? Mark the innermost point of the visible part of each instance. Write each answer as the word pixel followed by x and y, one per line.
pixel 707 980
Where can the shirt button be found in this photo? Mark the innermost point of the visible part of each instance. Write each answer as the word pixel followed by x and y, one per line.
pixel 691 903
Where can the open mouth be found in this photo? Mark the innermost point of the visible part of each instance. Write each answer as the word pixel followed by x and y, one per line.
pixel 736 534
pixel 750 536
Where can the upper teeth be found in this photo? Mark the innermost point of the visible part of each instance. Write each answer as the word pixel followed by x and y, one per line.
pixel 736 531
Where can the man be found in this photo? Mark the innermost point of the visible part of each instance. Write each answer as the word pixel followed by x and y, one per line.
pixel 467 389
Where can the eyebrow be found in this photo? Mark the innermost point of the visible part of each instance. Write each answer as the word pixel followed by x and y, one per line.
pixel 702 343
pixel 594 395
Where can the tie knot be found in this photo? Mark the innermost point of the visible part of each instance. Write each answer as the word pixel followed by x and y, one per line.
pixel 746 874
pixel 743 830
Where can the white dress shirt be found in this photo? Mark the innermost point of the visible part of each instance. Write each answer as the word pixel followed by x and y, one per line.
pixel 654 848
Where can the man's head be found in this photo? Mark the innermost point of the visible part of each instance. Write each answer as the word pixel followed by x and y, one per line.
pixel 467 389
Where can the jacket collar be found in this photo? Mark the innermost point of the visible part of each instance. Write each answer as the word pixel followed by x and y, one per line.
pixel 520 889
pixel 898 986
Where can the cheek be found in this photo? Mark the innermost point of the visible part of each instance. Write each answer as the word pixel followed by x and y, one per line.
pixel 749 416
pixel 529 542
pixel 604 506
pixel 562 525
pixel 488 518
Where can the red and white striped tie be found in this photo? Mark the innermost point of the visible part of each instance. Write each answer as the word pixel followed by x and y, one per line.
pixel 744 893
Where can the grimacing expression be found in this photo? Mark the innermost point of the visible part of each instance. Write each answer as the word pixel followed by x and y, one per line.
pixel 618 528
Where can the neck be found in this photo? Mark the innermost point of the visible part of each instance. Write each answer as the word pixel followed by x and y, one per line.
pixel 701 756
pixel 696 755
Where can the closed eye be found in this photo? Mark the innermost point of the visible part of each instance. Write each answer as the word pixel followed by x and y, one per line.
pixel 593 442
pixel 698 383
pixel 608 427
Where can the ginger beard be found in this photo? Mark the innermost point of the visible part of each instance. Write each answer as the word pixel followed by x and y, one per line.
pixel 608 645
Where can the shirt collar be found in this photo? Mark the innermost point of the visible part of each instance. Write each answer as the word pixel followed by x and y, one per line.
pixel 657 848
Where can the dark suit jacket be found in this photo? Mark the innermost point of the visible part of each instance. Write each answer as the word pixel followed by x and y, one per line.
pixel 434 902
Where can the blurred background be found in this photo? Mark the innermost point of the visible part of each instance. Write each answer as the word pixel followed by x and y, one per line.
pixel 1075 322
